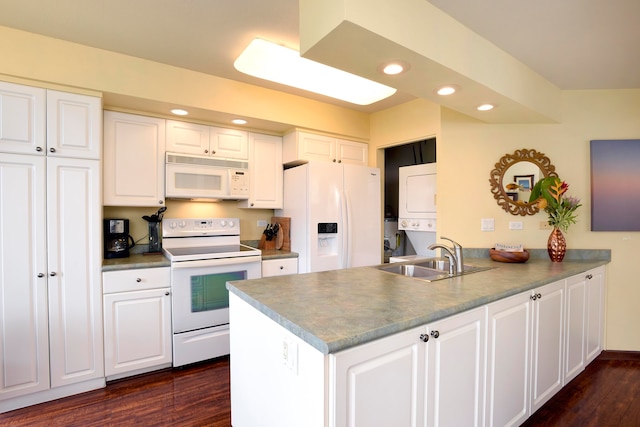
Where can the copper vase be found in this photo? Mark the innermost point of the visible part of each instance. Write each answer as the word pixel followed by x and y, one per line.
pixel 556 245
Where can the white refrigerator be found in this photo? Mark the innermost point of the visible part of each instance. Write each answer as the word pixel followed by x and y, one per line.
pixel 336 215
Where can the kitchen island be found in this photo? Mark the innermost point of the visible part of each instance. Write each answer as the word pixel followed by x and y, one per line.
pixel 289 336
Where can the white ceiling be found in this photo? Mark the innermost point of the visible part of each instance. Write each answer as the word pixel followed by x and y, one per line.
pixel 575 44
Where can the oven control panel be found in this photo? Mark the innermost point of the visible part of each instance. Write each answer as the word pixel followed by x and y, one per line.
pixel 184 227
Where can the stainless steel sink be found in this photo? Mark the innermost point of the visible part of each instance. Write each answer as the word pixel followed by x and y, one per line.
pixel 429 269
pixel 415 271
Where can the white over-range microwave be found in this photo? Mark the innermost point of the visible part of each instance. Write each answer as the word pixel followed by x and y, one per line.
pixel 196 177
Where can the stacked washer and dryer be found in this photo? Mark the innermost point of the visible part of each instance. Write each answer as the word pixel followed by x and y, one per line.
pixel 417 208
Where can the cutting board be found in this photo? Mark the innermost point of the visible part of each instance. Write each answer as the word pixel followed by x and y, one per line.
pixel 285 227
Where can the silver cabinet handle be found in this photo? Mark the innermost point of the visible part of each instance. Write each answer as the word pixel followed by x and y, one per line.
pixel 589 276
pixel 138 280
pixel 52 274
pixel 40 274
pixel 435 334
pixel 52 150
pixel 424 337
pixel 167 293
pixel 38 149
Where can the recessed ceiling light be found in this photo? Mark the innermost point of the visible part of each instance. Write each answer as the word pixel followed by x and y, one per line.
pixel 393 69
pixel 239 121
pixel 485 107
pixel 283 65
pixel 446 90
pixel 179 112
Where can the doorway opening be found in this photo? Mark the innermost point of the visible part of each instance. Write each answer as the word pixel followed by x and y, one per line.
pixel 413 153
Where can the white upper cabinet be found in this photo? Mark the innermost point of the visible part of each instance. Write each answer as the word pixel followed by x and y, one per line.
pixel 22 119
pixel 301 146
pixel 229 143
pixel 74 125
pixel 188 138
pixel 191 138
pixel 133 160
pixel 62 124
pixel 265 173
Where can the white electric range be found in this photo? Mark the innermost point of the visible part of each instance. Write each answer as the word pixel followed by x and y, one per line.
pixel 205 254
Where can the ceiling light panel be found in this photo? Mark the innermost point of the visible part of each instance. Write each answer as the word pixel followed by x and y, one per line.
pixel 283 65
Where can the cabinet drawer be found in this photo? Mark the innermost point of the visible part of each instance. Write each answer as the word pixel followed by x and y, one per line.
pixel 279 267
pixel 136 280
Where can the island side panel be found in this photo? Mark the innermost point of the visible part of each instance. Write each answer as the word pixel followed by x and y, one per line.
pixel 276 378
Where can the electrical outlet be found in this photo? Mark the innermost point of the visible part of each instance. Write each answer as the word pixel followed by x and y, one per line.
pixel 262 223
pixel 487 224
pixel 515 225
pixel 544 225
pixel 290 354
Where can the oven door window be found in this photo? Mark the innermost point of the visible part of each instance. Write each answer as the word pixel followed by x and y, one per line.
pixel 209 291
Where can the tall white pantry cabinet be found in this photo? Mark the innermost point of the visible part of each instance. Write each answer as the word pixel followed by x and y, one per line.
pixel 50 253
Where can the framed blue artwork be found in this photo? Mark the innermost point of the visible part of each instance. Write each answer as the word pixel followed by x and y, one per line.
pixel 615 185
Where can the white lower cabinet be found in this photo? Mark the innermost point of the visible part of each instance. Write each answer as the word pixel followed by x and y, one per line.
pixel 380 383
pixel 279 267
pixel 427 376
pixel 137 321
pixel 594 320
pixel 584 321
pixel 455 370
pixel 525 348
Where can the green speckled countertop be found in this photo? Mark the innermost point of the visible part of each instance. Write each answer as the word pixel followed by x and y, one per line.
pixel 137 259
pixel 335 310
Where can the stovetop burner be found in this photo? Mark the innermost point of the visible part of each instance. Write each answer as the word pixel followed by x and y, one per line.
pixel 189 239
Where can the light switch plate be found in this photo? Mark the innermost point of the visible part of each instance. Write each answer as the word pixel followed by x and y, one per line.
pixel 487 224
pixel 515 225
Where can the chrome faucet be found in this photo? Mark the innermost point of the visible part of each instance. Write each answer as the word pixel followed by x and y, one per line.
pixel 456 263
pixel 446 252
pixel 458 251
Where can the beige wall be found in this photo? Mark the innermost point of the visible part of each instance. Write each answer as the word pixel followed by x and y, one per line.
pixel 468 150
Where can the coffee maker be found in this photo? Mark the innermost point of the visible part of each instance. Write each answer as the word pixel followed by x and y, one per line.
pixel 117 240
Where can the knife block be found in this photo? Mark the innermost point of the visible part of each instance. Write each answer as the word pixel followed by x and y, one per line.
pixel 285 227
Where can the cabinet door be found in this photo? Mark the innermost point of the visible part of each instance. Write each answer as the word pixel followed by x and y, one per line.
pixel 188 138
pixel 595 282
pixel 229 143
pixel 352 152
pixel 74 261
pixel 380 383
pixel 455 373
pixel 22 119
pixel 133 160
pixel 508 352
pixel 574 359
pixel 316 147
pixel 265 173
pixel 24 341
pixel 137 330
pixel 74 125
pixel 548 337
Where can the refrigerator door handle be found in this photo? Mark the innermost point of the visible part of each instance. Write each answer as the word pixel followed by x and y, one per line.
pixel 347 237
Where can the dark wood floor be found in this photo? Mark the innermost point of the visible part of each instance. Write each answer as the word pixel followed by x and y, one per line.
pixel 198 395
pixel 606 394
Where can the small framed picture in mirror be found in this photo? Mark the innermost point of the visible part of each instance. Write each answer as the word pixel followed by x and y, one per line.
pixel 524 181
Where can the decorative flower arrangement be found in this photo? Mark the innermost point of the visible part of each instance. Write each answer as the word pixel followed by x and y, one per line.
pixel 550 194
